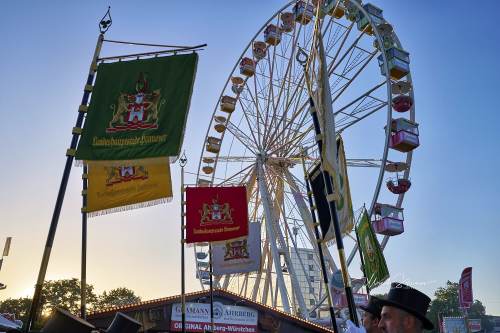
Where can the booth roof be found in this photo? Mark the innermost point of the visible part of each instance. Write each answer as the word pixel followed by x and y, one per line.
pixel 217 292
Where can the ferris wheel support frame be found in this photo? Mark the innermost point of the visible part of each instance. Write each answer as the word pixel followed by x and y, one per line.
pixel 271 236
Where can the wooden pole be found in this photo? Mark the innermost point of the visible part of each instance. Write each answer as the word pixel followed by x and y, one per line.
pixel 70 155
pixel 320 249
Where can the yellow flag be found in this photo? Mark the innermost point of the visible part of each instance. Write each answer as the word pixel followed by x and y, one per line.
pixel 113 188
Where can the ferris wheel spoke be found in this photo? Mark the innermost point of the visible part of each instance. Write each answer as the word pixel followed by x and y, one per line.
pixel 241 137
pixel 339 91
pixel 344 127
pixel 243 174
pixel 288 72
pixel 283 148
pixel 363 163
pixel 270 93
pixel 250 126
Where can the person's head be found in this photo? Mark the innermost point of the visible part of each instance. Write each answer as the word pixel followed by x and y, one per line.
pixel 372 315
pixel 404 310
pixel 394 320
pixel 370 322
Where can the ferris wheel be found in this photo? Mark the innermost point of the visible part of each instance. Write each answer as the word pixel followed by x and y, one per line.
pixel 261 130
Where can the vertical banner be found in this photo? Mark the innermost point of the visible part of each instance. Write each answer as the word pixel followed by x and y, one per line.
pixel 216 213
pixel 6 248
pixel 375 266
pixel 138 109
pixel 238 256
pixel 133 185
pixel 465 289
pixel 343 202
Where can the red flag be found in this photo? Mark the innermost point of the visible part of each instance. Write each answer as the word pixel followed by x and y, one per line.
pixel 465 288
pixel 216 213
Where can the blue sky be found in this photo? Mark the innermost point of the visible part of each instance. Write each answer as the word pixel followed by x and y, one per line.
pixel 46 50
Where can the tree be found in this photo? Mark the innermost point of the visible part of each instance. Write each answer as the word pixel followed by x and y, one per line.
pixel 18 306
pixel 65 294
pixel 116 297
pixel 446 303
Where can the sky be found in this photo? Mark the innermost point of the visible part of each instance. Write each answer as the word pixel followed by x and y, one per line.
pixel 450 214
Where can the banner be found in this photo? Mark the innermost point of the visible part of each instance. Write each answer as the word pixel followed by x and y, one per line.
pixel 454 325
pixel 465 289
pixel 375 267
pixel 6 248
pixel 329 153
pixel 138 109
pixel 238 256
pixel 216 213
pixel 227 318
pixel 343 203
pixel 133 185
pixel 474 325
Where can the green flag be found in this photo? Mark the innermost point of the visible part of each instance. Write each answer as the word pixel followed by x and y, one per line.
pixel 138 109
pixel 375 266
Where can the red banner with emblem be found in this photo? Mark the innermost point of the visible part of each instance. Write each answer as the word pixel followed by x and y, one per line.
pixel 465 288
pixel 216 213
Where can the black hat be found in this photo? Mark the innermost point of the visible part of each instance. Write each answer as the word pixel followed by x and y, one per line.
pixel 123 324
pixel 374 307
pixel 63 321
pixel 410 300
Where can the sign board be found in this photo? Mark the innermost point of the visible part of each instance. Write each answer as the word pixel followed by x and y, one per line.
pixel 454 325
pixel 340 299
pixel 474 325
pixel 227 318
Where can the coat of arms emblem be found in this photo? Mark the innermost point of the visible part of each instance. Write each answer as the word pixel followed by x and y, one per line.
pixel 236 250
pixel 216 213
pixel 136 111
pixel 116 175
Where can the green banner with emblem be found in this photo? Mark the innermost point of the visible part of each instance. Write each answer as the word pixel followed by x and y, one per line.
pixel 375 267
pixel 138 109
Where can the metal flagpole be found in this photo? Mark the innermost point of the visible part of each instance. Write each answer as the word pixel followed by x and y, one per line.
pixel 335 219
pixel 182 163
pixel 212 327
pixel 104 25
pixel 320 249
pixel 83 280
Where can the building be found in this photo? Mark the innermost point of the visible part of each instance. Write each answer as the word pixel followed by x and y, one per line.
pixel 310 280
pixel 232 314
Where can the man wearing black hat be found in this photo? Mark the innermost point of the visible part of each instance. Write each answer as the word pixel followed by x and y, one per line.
pixel 404 310
pixel 372 315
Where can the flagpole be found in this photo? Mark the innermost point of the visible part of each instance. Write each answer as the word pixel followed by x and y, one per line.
pixel 320 249
pixel 70 155
pixel 83 279
pixel 335 219
pixel 211 289
pixel 182 163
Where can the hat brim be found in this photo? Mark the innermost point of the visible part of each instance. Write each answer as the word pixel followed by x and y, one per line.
pixel 428 325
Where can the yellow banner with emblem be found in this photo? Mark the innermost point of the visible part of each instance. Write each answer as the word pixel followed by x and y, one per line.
pixel 136 184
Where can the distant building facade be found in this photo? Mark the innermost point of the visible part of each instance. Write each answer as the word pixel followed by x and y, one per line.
pixel 308 274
